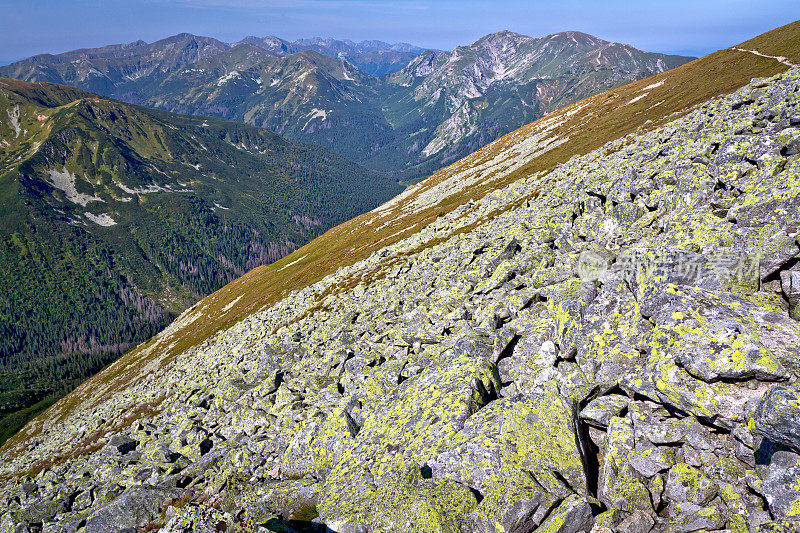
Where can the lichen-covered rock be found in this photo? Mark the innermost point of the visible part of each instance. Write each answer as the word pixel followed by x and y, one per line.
pixel 319 445
pixel 415 505
pixel 122 444
pixel 777 416
pixel 685 517
pixel 651 460
pixel 130 511
pixel 288 500
pixel 781 487
pixel 574 515
pixel 686 483
pixel 415 422
pixel 637 522
pixel 613 335
pixel 600 411
pixel 43 510
pixel 523 436
pixel 690 322
pixel 514 504
pixel 786 525
pixel 619 485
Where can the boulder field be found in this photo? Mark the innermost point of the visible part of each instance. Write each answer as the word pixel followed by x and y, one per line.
pixel 611 347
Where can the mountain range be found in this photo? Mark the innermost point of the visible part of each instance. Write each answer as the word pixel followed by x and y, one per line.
pixel 391 108
pixel 589 324
pixel 375 58
pixel 115 218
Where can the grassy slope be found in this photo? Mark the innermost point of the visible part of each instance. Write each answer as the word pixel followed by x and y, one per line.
pixel 601 118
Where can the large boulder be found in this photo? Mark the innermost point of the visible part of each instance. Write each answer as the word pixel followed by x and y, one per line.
pixel 707 347
pixel 777 416
pixel 408 426
pixel 410 504
pixel 782 484
pixel 319 444
pixel 532 434
pixel 130 511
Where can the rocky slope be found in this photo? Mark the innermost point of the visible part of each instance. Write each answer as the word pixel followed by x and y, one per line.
pixel 438 108
pixel 114 219
pixel 605 341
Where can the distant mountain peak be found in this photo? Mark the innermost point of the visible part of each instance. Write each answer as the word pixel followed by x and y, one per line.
pixel 431 108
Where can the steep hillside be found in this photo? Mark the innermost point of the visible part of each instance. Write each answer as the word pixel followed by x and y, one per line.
pixel 441 106
pixel 114 219
pixel 446 105
pixel 591 322
pixel 304 96
pixel 116 70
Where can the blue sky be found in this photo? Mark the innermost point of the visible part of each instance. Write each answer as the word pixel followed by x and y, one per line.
pixel 689 27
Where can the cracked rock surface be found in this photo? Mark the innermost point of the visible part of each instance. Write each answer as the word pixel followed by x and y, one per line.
pixel 618 352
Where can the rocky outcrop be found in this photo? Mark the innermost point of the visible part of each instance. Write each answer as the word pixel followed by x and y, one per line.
pixel 609 347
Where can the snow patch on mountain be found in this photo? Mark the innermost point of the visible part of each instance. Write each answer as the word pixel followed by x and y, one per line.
pixel 637 98
pixel 13 119
pixel 146 190
pixel 654 85
pixel 228 77
pixel 316 113
pixel 103 219
pixel 64 180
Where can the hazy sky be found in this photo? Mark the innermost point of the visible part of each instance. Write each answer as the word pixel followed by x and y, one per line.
pixel 693 27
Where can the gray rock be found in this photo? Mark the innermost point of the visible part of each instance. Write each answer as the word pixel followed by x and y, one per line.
pixel 786 525
pixel 650 460
pixel 290 500
pixel 131 510
pixel 574 515
pixel 472 345
pixel 514 505
pixel 601 410
pixel 774 261
pixel 638 522
pixel 481 451
pixel 43 510
pixel 780 486
pixel 777 416
pixel 619 486
pixel 757 518
pixel 83 500
pixel 686 517
pixel 28 488
pixel 742 441
pixel 122 444
pixel 686 483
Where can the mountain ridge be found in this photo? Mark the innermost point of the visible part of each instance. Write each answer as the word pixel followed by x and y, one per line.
pixel 397 122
